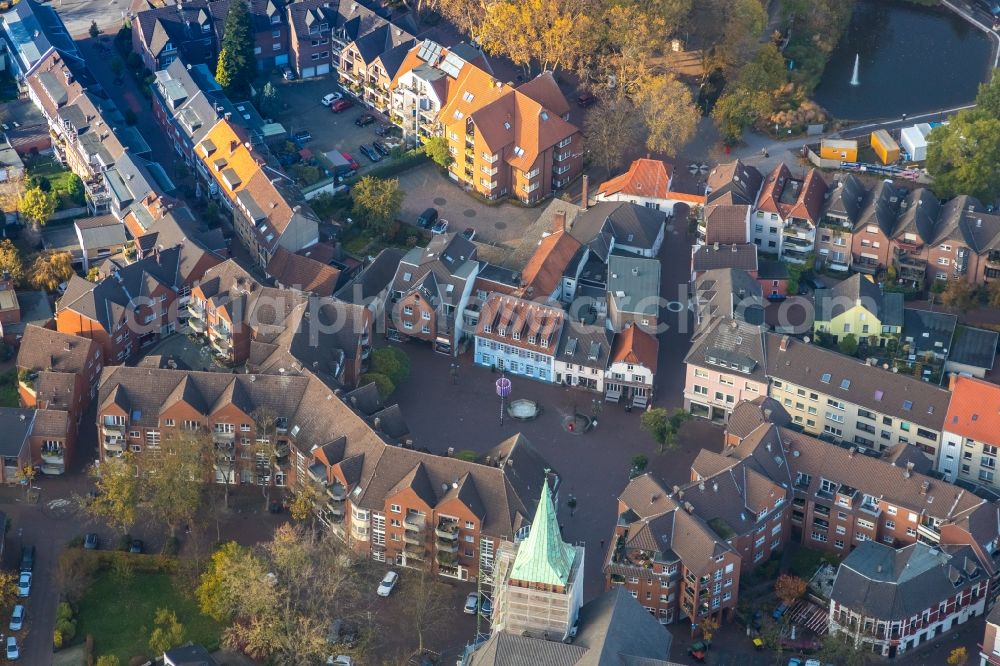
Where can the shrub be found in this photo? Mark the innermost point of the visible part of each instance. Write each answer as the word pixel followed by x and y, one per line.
pixel 66 628
pixel 57 639
pixel 408 161
pixel 64 611
pixel 75 542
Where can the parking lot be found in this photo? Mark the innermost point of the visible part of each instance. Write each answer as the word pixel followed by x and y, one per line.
pixel 302 110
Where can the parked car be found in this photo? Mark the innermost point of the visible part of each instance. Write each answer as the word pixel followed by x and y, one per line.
pixel 427 218
pixel 388 584
pixel 91 541
pixel 364 120
pixel 370 152
pixel 13 653
pixel 381 148
pixel 779 611
pixel 135 546
pixel 585 100
pixel 27 558
pixel 17 618
pixel 486 607
pixel 698 649
pixel 469 234
pixel 440 227
pixel 814 283
pixel 330 98
pixel 24 584
pixel 471 604
pixel 385 129
pixel 353 162
pixel 794 661
pixel 287 74
pixel 341 105
pixel 302 136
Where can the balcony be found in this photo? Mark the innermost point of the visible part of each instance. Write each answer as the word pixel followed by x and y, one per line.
pixel 196 325
pixel 447 529
pixel 865 265
pixel 337 492
pixel 929 533
pixel 798 231
pixel 195 310
pixel 53 456
pixel 908 245
pixel 114 445
pixel 413 538
pixel 414 551
pixel 109 430
pixel 414 523
pixel 447 546
pixel 226 438
pixel 871 509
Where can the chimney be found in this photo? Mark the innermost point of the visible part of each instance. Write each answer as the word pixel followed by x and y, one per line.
pixel 952 379
pixel 851 451
pixel 377 424
pixel 924 487
pixel 767 414
pixel 909 470
pixel 585 195
pixel 701 485
pixel 784 343
pixel 879 568
pixel 559 223
pixel 232 145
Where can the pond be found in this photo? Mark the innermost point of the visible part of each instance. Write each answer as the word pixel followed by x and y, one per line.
pixel 911 59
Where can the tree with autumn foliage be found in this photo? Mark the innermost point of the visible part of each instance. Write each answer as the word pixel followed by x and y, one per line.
pixel 50 269
pixel 958 657
pixel 959 294
pixel 789 589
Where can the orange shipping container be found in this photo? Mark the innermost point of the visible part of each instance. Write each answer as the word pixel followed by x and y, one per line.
pixel 839 149
pixel 885 146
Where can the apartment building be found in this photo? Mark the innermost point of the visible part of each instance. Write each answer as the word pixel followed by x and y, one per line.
pixel 188 101
pixel 370 287
pixel 871 246
pixel 583 356
pixel 730 195
pixel 890 601
pixel 268 209
pixel 554 267
pixel 28 31
pixel 710 257
pixel 840 398
pixel 370 61
pixel 990 647
pixel 161 35
pixel 726 364
pixel 518 336
pixel 841 211
pixel 668 558
pixel 728 293
pixel 507 141
pixel 430 292
pixel 31 435
pixel 632 369
pixel 857 306
pixel 131 305
pixel 648 183
pixel 971 434
pixel 624 227
pixel 633 292
pixel 787 213
pixel 57 372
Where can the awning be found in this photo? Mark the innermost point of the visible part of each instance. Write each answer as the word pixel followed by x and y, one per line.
pixel 613 396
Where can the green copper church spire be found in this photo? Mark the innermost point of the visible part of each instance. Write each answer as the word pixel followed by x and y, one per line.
pixel 544 557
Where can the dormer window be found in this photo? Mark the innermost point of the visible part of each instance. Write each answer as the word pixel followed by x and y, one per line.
pixel 532 339
pixel 487 328
pixel 545 342
pixel 517 335
pixel 502 331
pixel 206 27
pixel 275 18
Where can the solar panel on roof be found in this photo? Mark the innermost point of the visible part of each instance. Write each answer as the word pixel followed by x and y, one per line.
pixel 452 65
pixel 429 51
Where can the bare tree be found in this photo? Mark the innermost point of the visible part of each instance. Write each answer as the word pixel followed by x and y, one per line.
pixel 427 601
pixel 265 420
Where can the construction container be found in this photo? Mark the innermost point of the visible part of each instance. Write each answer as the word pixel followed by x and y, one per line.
pixel 914 140
pixel 885 147
pixel 845 150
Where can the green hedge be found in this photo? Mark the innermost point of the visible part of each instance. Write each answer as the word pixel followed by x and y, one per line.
pixel 106 560
pixel 408 161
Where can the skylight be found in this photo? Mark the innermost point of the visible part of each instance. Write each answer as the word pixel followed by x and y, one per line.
pixel 468 96
pixel 878 394
pixel 845 384
pixel 459 115
pixel 518 150
pixel 907 405
pixel 825 378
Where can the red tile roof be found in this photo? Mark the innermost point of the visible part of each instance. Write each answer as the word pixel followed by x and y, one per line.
pixel 644 178
pixel 633 345
pixel 974 410
pixel 547 264
pixel 294 271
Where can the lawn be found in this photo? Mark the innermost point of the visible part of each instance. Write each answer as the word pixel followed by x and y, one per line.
pixel 59 177
pixel 118 612
pixel 805 562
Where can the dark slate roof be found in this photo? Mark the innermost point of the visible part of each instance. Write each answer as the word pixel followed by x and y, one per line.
pixel 614 630
pixel 374 279
pixel 630 224
pixel 881 208
pixel 15 424
pixel 772 270
pixel 742 256
pixel 887 307
pixel 846 199
pixel 971 346
pixel 873 388
pixel 919 216
pixel 927 331
pixel 585 345
pixel 734 183
pixel 882 582
pixel 731 342
pixel 729 293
